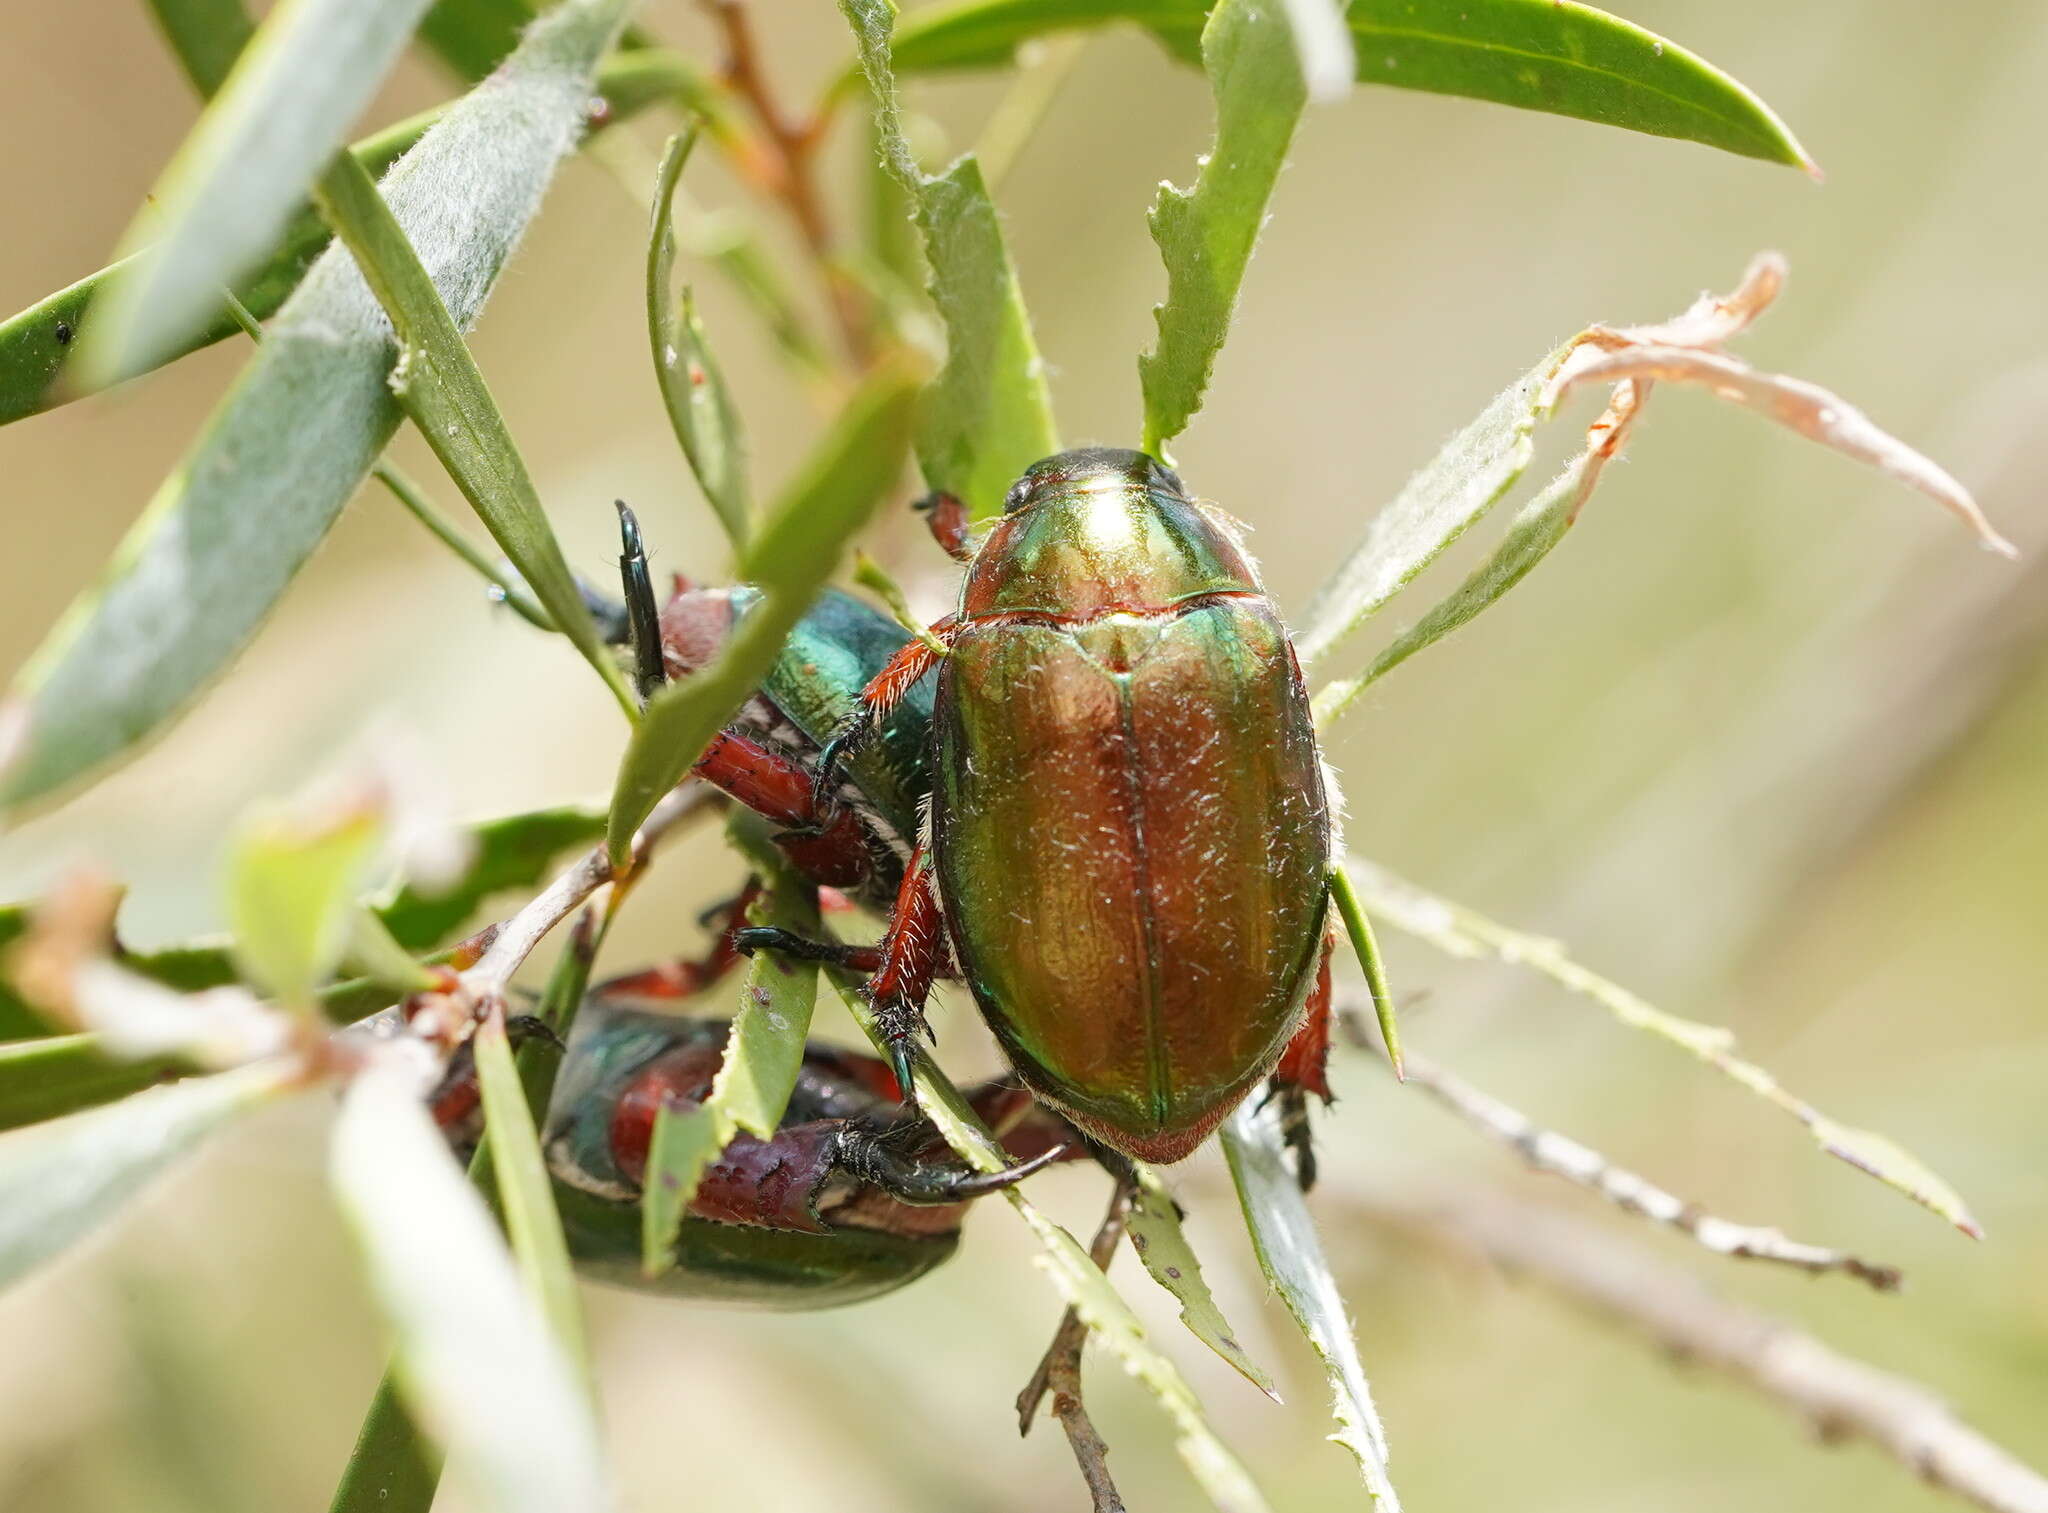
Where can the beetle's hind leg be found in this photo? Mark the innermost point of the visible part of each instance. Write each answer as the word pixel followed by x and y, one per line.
pixel 1304 1070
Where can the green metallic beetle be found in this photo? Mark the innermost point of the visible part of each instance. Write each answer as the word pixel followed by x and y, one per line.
pixel 852 1197
pixel 1130 832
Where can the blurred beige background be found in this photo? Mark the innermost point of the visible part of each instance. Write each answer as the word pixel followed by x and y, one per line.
pixel 1764 741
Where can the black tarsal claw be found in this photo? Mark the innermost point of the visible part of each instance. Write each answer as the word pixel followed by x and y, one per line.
pixel 522 1029
pixel 825 782
pixel 932 1184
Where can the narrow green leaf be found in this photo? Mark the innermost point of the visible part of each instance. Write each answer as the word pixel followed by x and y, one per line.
pixel 35 344
pixel 512 852
pixel 298 432
pixel 1205 234
pixel 230 190
pixel 525 1192
pixel 505 584
pixel 1548 55
pixel 61 1074
pixel 392 1468
pixel 763 1055
pixel 1358 927
pixel 59 1184
pixel 475 1357
pixel 438 384
pixel 700 407
pixel 796 551
pixel 1156 1235
pixel 988 414
pixel 1284 1236
pixel 1537 527
pixel 206 36
pixel 1458 931
pixel 1465 479
pixel 291 890
pixel 1081 1285
pixel 472 37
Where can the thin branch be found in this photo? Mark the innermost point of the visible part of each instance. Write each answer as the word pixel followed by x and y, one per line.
pixel 515 939
pixel 1561 1156
pixel 1839 1396
pixel 1060 1371
pixel 791 177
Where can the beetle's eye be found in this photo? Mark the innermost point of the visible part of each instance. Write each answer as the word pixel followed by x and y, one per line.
pixel 1019 492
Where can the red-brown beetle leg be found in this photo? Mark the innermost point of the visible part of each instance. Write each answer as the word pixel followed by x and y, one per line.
pixel 910 958
pixel 884 691
pixel 833 851
pixel 946 518
pixel 1304 1069
pixel 681 977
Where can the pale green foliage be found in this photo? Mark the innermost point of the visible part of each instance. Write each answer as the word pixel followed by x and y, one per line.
pixel 292 887
pixel 988 414
pixel 526 1196
pixel 700 406
pixel 763 1055
pixel 1161 1244
pixel 1284 1235
pixel 1205 234
pixel 296 435
pixel 475 1358
pixel 228 193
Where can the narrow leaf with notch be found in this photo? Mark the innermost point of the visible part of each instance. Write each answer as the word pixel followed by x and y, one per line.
pixel 297 433
pixel 763 1054
pixel 799 545
pixel 988 414
pixel 1205 234
pixel 700 407
pixel 1156 1235
pixel 229 192
pixel 1547 55
pixel 1291 1256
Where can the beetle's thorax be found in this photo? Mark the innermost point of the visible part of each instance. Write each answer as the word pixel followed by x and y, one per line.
pixel 1098 532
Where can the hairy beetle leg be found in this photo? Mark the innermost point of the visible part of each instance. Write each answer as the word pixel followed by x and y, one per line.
pixel 910 960
pixel 884 691
pixel 826 843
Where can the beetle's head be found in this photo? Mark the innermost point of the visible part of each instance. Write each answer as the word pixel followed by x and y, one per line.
pixel 1092 467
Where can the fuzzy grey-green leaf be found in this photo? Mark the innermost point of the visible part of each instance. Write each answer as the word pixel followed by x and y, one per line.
pixel 297 433
pixel 230 190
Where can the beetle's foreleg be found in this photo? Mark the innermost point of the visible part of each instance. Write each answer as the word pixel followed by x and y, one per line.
pixel 1304 1069
pixel 911 952
pixel 803 948
pixel 946 518
pixel 864 1154
pixel 884 691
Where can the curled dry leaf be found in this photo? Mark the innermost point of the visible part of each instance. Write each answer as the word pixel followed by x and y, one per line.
pixel 1686 350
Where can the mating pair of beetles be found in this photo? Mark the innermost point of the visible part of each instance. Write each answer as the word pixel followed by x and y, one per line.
pixel 1093 794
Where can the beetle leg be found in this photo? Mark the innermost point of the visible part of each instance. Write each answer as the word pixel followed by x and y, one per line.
pixel 789 943
pixel 682 977
pixel 864 1154
pixel 884 691
pixel 946 518
pixel 1304 1069
pixel 911 952
pixel 830 850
